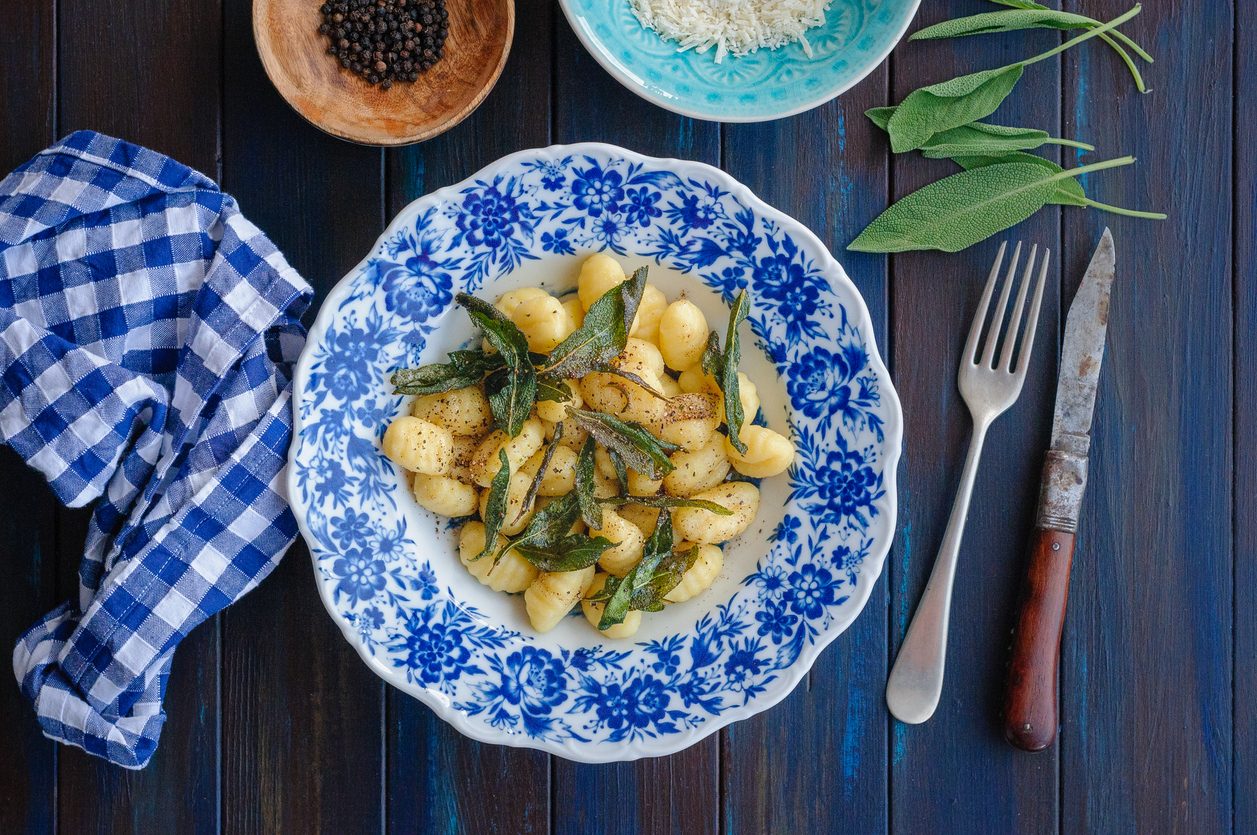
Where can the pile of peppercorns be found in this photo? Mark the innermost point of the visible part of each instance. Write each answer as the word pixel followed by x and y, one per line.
pixel 386 40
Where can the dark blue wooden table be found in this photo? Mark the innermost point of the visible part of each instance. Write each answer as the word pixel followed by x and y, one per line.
pixel 276 726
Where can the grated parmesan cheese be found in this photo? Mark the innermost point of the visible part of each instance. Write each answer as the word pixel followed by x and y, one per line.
pixel 732 26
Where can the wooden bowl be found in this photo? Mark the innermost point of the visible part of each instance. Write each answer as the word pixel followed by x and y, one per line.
pixel 342 103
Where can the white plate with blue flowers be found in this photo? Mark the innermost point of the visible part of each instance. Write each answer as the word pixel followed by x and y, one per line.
pixel 387 570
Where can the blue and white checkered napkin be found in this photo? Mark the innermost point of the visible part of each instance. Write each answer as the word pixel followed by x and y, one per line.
pixel 147 335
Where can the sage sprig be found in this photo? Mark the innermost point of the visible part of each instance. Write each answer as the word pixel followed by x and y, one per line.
pixel 950 104
pixel 1069 192
pixel 634 443
pixel 1033 16
pixel 511 390
pixel 968 207
pixel 978 138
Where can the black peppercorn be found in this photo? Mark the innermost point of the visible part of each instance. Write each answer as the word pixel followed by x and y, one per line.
pixel 385 40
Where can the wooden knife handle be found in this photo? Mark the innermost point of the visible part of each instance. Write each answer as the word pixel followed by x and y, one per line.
pixel 1030 719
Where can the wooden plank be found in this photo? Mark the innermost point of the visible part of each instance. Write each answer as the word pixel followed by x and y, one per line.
pixel 828 169
pixel 1146 684
pixel 665 794
pixel 28 761
pixel 1244 753
pixel 161 91
pixel 303 719
pixel 955 770
pixel 439 781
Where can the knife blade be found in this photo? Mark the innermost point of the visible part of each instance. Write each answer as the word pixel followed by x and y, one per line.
pixel 1030 719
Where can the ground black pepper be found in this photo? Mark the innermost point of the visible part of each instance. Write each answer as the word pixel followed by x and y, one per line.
pixel 386 40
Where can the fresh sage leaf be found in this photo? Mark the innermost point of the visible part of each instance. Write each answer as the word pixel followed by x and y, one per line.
pixel 968 207
pixel 590 510
pixel 495 507
pixel 604 333
pixel 572 553
pixel 511 389
pixel 465 368
pixel 978 138
pixel 1069 191
pixel 531 495
pixel 640 450
pixel 950 104
pixel 669 502
pixel 728 379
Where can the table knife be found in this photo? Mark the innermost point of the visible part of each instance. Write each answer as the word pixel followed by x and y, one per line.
pixel 1030 720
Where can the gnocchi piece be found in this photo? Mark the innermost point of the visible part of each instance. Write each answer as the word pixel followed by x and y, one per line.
pixel 556 412
pixel 643 485
pixel 690 420
pixel 767 452
pixel 649 312
pixel 593 612
pixel 641 516
pixel 517 516
pixel 419 446
pixel 694 380
pixel 512 573
pixel 485 463
pixel 543 322
pixel 445 496
pixel 512 299
pixel 629 543
pixel 670 387
pixel 462 411
pixel 641 358
pixel 598 274
pixel 575 310
pixel 604 487
pixel 682 335
pixel 559 477
pixel 464 452
pixel 700 575
pixel 622 398
pixel 552 595
pixel 705 527
pixel 748 394
pixel 699 470
pixel 602 463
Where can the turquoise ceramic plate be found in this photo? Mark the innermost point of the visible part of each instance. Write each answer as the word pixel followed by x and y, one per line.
pixel 857 36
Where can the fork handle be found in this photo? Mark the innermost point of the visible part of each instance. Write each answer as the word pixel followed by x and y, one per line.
pixel 1030 719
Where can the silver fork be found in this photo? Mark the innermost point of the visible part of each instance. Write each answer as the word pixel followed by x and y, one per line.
pixel 916 681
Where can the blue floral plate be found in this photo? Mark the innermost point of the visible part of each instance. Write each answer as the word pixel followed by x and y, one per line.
pixel 855 38
pixel 387 569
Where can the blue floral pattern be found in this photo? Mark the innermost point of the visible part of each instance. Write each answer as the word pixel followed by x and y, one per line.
pixel 382 577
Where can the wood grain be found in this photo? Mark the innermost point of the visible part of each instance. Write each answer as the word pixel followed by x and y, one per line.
pixel 669 794
pixel 336 100
pixel 1030 714
pixel 827 740
pixel 303 716
pixel 28 761
pixel 983 784
pixel 439 781
pixel 1146 660
pixel 162 91
pixel 1244 750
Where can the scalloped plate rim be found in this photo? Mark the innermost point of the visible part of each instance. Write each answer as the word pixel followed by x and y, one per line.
pixel 790 677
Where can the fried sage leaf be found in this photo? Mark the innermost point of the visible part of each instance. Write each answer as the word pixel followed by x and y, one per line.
pixel 553 388
pixel 640 450
pixel 495 507
pixel 604 333
pixel 728 378
pixel 531 495
pixel 572 553
pixel 590 510
pixel 634 591
pixel 549 525
pixel 512 389
pixel 668 501
pixel 465 368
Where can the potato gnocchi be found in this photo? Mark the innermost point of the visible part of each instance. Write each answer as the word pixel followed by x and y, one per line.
pixel 622 479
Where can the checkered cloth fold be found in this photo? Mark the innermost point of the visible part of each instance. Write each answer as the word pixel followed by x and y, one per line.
pixel 147 335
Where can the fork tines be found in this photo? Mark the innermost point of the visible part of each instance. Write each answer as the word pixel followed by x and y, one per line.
pixel 1014 323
